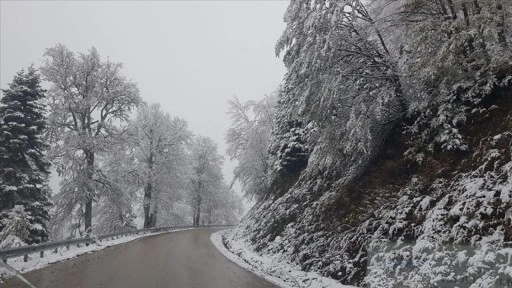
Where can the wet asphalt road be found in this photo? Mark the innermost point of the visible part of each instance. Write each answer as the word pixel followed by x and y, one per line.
pixel 180 259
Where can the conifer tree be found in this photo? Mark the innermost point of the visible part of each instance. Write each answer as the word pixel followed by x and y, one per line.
pixel 24 168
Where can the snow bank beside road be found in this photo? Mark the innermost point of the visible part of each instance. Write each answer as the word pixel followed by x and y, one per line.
pixel 282 274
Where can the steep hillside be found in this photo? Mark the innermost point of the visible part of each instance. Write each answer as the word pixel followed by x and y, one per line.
pixel 454 203
pixel 411 185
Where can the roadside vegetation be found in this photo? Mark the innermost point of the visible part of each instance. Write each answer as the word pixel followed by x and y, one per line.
pixel 388 160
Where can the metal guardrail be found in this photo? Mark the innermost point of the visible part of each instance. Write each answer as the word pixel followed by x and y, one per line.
pixel 31 249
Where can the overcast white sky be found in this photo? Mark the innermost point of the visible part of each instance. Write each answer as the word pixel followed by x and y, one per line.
pixel 190 56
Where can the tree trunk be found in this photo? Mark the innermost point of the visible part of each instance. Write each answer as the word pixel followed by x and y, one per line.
pixel 146 204
pixel 197 210
pixel 152 220
pixel 501 24
pixel 465 13
pixel 88 217
pixel 400 96
pixel 149 218
pixel 89 155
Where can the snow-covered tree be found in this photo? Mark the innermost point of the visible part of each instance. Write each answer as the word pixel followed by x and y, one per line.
pixel 88 99
pixel 221 206
pixel 206 173
pixel 248 141
pixel 342 86
pixel 456 53
pixel 23 164
pixel 357 68
pixel 158 147
pixel 115 208
pixel 16 231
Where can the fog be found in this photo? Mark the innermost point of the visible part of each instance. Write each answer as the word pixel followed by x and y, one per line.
pixel 190 56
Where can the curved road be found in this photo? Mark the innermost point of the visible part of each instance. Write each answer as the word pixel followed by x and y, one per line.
pixel 180 259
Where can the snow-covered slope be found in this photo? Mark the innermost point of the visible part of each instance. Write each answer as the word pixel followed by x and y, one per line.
pixel 390 153
pixel 443 222
pixel 275 269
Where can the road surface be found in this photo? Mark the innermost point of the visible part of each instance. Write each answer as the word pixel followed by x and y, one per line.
pixel 180 259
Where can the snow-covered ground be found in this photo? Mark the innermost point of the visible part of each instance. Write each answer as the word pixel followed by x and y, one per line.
pixel 35 262
pixel 280 273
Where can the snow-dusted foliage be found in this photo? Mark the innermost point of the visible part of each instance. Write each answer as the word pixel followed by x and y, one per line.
pixel 290 152
pixel 206 176
pixel 115 210
pixel 456 231
pixel 248 142
pixel 24 191
pixel 159 160
pixel 88 99
pixel 211 200
pixel 456 53
pixel 16 228
pixel 221 206
pixel 342 78
pixel 428 234
pixel 404 109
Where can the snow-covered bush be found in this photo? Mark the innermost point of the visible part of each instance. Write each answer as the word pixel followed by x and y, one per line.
pixel 290 151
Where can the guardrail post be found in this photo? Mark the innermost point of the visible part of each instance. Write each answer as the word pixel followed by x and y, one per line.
pixel 25 258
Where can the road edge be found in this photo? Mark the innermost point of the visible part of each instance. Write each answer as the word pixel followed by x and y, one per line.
pixel 36 263
pixel 217 240
pixel 272 269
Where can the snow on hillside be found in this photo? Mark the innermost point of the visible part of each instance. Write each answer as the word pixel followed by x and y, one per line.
pixel 389 162
pixel 465 236
pixel 431 232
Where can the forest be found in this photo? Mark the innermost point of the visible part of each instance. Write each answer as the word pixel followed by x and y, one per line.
pixel 117 157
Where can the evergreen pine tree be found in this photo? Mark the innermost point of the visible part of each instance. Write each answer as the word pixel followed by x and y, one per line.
pixel 24 168
pixel 16 229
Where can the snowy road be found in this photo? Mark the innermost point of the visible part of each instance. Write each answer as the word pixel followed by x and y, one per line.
pixel 181 259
